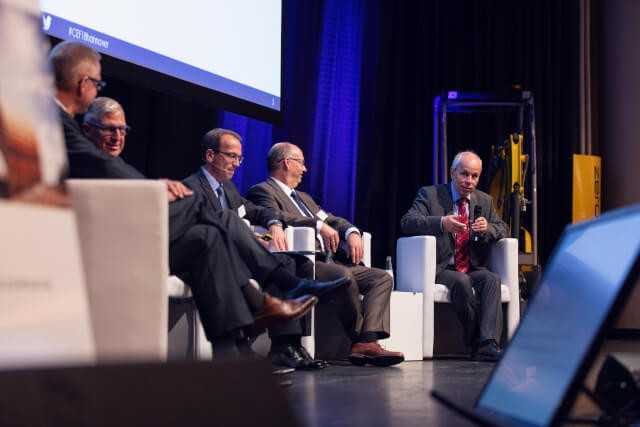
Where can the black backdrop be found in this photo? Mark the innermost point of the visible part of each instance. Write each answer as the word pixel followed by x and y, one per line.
pixel 418 49
pixel 411 52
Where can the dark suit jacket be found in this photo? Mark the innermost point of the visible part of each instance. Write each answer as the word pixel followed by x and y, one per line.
pixel 268 194
pixel 256 215
pixel 86 160
pixel 434 202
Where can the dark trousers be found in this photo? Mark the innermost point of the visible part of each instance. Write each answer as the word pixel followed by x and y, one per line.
pixel 220 254
pixel 372 313
pixel 476 299
pixel 296 265
pixel 215 278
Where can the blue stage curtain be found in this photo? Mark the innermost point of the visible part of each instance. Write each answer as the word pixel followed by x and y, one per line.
pixel 322 90
pixel 256 141
pixel 334 149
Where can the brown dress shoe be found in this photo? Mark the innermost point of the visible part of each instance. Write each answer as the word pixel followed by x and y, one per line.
pixel 373 354
pixel 277 310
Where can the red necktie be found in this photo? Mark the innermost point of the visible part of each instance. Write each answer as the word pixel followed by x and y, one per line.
pixel 462 239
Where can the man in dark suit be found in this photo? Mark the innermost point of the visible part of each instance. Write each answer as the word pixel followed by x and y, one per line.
pixel 222 155
pixel 286 168
pixel 465 223
pixel 216 250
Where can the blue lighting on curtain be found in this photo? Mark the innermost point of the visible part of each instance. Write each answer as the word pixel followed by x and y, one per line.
pixel 256 141
pixel 329 114
pixel 335 128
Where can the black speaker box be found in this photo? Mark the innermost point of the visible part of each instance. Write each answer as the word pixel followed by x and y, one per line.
pixel 242 393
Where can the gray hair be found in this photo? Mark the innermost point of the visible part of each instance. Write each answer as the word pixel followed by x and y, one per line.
pixel 65 59
pixel 277 153
pixel 211 139
pixel 458 158
pixel 101 107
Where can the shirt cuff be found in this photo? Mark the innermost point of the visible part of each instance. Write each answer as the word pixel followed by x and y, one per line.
pixel 442 224
pixel 274 221
pixel 319 226
pixel 349 231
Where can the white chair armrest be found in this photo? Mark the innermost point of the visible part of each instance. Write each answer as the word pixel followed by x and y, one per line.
pixel 416 268
pixel 302 239
pixel 176 288
pixel 416 263
pixel 366 244
pixel 123 229
pixel 503 260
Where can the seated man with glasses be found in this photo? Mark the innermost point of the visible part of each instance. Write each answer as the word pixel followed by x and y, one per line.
pixel 107 132
pixel 221 151
pixel 367 320
pixel 78 79
pixel 219 252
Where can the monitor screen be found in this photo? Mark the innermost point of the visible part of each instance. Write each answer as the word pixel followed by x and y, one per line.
pixel 589 267
pixel 231 47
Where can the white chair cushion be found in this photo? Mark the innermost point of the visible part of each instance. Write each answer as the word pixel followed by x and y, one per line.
pixel 177 288
pixel 441 293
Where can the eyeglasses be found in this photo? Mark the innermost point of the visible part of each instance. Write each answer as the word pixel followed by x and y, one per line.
pixel 112 130
pixel 99 84
pixel 233 156
pixel 300 161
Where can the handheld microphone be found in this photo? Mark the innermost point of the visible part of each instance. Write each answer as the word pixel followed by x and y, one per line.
pixel 477 212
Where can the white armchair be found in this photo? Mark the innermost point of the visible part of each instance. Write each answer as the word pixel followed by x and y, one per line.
pixel 416 270
pixel 123 230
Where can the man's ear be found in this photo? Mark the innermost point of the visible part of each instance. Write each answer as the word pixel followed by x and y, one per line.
pixel 79 88
pixel 209 155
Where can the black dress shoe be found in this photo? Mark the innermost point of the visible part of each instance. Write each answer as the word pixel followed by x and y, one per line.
pixel 487 352
pixel 291 356
pixel 311 362
pixel 314 287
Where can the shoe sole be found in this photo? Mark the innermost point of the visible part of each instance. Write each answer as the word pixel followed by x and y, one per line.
pixel 282 371
pixel 380 361
pixel 262 323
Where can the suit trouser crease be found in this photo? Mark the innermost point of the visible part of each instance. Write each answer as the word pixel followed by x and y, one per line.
pixel 372 313
pixel 480 312
pixel 215 278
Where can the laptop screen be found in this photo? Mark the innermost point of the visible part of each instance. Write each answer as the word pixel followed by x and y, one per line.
pixel 581 282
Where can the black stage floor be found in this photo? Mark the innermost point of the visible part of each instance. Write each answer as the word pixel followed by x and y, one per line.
pixel 345 395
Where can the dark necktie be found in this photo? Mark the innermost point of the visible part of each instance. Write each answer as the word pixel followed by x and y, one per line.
pixel 462 239
pixel 305 210
pixel 221 197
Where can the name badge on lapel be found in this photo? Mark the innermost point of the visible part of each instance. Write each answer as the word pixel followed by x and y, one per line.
pixel 242 211
pixel 322 215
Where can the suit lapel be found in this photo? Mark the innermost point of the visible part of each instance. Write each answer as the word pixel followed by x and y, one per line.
pixel 308 201
pixel 283 200
pixel 446 201
pixel 472 207
pixel 211 197
pixel 232 194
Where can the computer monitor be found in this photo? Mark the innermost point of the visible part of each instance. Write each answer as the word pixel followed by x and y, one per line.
pixel 585 283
